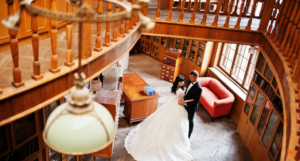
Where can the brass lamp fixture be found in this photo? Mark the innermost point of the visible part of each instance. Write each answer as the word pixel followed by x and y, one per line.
pixel 81 125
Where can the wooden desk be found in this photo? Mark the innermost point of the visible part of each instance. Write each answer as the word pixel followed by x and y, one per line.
pixel 138 105
pixel 109 99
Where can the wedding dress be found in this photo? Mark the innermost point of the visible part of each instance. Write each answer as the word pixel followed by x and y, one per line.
pixel 163 136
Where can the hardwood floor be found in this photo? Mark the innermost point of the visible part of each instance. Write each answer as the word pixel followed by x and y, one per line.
pixel 210 141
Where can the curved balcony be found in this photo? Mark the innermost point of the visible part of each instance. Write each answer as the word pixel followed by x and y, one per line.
pixel 278 42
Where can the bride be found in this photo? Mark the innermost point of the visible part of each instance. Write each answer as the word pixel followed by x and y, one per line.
pixel 163 136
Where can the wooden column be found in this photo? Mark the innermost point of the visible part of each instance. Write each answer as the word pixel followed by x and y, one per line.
pixel 228 14
pixel 217 13
pixel 273 18
pixel 277 19
pixel 291 29
pixel 127 24
pixel 158 10
pixel 251 16
pixel 14 47
pixel 205 12
pixel 69 58
pixel 35 48
pixel 122 26
pixel 194 11
pixel 115 31
pixel 182 12
pixel 53 37
pixel 170 10
pixel 285 30
pixel 225 5
pixel 86 41
pixel 237 26
pixel 107 34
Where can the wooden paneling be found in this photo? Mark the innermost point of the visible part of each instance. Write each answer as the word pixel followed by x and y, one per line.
pixel 43 23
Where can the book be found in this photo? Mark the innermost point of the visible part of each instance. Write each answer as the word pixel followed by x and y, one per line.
pixel 149 90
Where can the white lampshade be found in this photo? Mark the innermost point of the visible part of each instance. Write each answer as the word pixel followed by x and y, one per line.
pixel 79 126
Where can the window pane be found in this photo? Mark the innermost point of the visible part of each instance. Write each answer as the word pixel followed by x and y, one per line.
pixel 235 72
pixel 3 141
pixel 264 117
pixel 270 127
pixel 260 62
pixel 171 43
pixel 256 107
pixel 247 83
pixel 241 76
pixel 24 128
pixel 178 44
pixel 249 99
pixel 228 65
pixel 246 54
pixel 244 64
pixel 276 141
pixel 185 47
pixel 268 72
pixel 231 54
pixel 238 60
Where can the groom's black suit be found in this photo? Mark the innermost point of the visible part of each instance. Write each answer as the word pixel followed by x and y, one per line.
pixel 191 107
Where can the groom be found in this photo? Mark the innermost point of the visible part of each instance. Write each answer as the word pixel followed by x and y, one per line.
pixel 192 94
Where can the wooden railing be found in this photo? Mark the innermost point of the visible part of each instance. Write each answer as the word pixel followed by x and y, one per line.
pixel 117 41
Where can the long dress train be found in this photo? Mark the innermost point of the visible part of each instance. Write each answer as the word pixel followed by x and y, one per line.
pixel 163 136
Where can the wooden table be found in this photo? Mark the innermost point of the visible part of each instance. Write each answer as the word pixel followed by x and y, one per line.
pixel 109 99
pixel 138 105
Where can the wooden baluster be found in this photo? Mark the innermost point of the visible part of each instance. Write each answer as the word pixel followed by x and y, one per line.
pixel 98 46
pixel 132 19
pixel 273 18
pixel 86 41
pixel 194 11
pixel 35 48
pixel 217 13
pixel 182 12
pixel 228 14
pixel 282 17
pixel 234 8
pixel 285 30
pixel 225 6
pixel 122 26
pixel 189 5
pixel 158 10
pixel 127 24
pixel 170 10
pixel 53 37
pixel 237 26
pixel 14 47
pixel 294 56
pixel 107 34
pixel 296 72
pixel 290 35
pixel 69 56
pixel 115 31
pixel 179 4
pixel 277 19
pixel 251 15
pixel 295 45
pixel 205 12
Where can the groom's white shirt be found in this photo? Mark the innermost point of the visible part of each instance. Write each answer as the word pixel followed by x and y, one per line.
pixel 189 87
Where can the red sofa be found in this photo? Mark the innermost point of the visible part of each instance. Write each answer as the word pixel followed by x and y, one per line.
pixel 215 98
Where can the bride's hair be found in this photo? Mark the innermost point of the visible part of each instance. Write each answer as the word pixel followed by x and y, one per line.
pixel 175 84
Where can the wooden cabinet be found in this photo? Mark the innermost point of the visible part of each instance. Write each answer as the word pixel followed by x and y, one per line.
pixel 171 66
pixel 260 126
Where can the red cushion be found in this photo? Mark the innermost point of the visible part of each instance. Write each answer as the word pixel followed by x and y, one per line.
pixel 208 99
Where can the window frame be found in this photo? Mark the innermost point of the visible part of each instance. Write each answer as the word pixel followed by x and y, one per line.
pixel 229 74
